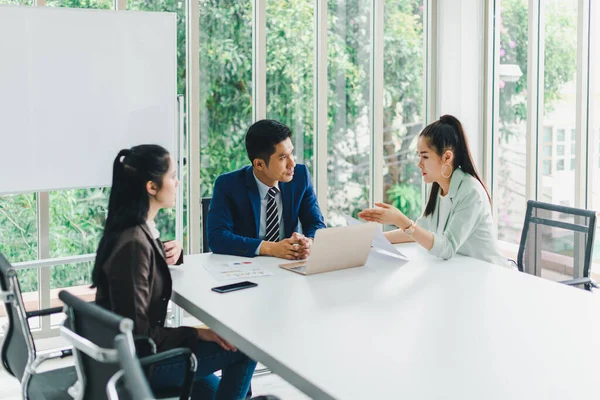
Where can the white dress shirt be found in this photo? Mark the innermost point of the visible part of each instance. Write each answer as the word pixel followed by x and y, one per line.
pixel 264 197
pixel 152 225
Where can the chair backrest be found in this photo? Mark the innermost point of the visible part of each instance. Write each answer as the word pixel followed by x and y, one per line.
pixel 18 349
pixel 136 385
pixel 205 208
pixel 92 330
pixel 556 241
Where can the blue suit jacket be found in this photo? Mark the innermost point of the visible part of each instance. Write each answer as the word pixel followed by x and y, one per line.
pixel 234 216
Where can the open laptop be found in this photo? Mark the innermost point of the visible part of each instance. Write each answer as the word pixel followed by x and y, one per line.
pixel 336 248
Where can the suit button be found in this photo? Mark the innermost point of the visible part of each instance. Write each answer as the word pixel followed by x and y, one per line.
pixel 164 299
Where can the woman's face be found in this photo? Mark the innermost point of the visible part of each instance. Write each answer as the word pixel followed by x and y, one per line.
pixel 167 195
pixel 430 163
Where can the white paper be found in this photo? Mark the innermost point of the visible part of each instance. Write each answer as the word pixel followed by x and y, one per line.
pixel 236 270
pixel 380 242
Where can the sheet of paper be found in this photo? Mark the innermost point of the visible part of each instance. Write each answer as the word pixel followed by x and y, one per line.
pixel 236 270
pixel 380 242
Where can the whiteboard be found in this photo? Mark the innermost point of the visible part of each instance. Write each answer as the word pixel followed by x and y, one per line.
pixel 76 86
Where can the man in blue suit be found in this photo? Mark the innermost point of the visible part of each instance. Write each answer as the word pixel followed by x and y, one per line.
pixel 256 209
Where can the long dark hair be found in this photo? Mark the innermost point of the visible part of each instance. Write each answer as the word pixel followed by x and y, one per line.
pixel 448 134
pixel 129 201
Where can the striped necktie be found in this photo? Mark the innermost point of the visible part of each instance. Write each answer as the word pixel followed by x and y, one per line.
pixel 272 232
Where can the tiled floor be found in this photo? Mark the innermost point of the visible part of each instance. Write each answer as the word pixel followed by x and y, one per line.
pixel 263 384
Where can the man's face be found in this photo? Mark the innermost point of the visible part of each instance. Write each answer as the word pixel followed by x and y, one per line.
pixel 281 164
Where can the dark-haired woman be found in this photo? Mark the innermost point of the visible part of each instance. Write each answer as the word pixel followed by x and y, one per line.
pixel 133 280
pixel 458 215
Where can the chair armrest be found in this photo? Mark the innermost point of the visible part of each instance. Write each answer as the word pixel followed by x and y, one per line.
pixel 144 346
pixel 580 281
pixel 186 356
pixel 49 356
pixel 44 312
pixel 111 387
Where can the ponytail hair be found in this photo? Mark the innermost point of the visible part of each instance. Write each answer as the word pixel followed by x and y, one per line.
pixel 129 201
pixel 445 134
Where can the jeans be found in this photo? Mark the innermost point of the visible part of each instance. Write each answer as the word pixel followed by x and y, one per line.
pixel 237 370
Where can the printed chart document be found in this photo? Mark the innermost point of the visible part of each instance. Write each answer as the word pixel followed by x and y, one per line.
pixel 380 242
pixel 236 270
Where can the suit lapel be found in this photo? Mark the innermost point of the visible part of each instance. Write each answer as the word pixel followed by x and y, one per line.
pixel 254 198
pixel 455 181
pixel 158 248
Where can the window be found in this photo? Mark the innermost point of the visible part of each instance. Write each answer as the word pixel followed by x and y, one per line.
pixel 17 2
pixel 510 157
pixel 349 136
pixel 560 67
pixel 290 62
pixel 225 88
pixel 18 227
pixel 594 132
pixel 547 167
pixel 100 4
pixel 403 103
pixel 77 220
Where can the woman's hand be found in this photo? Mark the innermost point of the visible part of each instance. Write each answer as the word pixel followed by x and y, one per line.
pixel 385 214
pixel 208 335
pixel 173 250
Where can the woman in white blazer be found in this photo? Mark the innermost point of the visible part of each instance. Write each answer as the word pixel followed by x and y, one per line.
pixel 458 215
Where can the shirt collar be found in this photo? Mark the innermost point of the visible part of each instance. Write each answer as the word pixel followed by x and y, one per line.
pixel 262 188
pixel 153 230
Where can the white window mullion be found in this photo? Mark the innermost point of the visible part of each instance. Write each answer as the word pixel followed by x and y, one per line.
pixel 430 61
pixel 120 5
pixel 44 274
pixel 376 100
pixel 192 39
pixel 259 60
pixel 535 98
pixel 430 43
pixel 43 240
pixel 320 104
pixel 491 88
pixel 582 120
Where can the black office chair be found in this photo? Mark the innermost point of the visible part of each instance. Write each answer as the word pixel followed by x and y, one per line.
pixel 205 208
pixel 557 241
pixel 131 381
pixel 135 385
pixel 92 331
pixel 19 356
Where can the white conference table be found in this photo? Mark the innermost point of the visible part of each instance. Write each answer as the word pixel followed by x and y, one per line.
pixel 425 329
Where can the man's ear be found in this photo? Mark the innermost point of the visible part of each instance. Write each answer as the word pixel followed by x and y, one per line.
pixel 259 164
pixel 151 188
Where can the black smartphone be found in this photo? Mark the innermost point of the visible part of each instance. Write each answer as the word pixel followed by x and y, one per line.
pixel 234 286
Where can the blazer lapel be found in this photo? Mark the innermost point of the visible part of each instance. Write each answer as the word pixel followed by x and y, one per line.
pixel 455 181
pixel 254 198
pixel 158 248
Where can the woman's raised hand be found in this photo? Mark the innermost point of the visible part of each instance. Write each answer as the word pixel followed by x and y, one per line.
pixel 383 213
